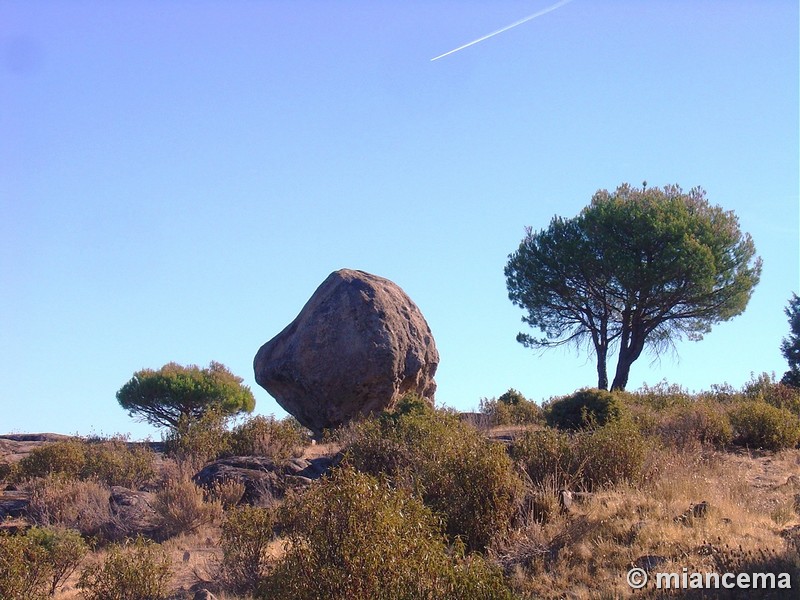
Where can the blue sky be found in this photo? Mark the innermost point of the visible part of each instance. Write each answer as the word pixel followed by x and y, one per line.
pixel 177 178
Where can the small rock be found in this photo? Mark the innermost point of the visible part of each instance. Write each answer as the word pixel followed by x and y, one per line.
pixel 296 465
pixel 700 511
pixel 695 511
pixel 706 550
pixel 565 500
pixel 204 594
pixel 299 480
pixel 13 504
pixel 649 562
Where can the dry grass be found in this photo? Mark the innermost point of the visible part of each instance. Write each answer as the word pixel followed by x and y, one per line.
pixel 80 505
pixel 182 507
pixel 586 554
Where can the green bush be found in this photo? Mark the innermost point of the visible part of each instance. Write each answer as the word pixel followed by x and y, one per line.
pixel 760 425
pixel 585 408
pixel 138 570
pixel 764 388
pixel 36 564
pixel 546 456
pixel 610 455
pixel 266 436
pixel 7 471
pixel 408 406
pixel 659 397
pixel 512 408
pixel 759 386
pixel 24 571
pixel 65 457
pixel 197 440
pixel 648 420
pixel 246 536
pixel 703 423
pixel 115 462
pixel 784 396
pixel 355 537
pixel 592 458
pixel 458 473
pixel 64 549
pixel 109 461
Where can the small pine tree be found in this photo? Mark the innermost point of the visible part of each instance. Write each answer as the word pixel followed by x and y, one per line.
pixel 791 345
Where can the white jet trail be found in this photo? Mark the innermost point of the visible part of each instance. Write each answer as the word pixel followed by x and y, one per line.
pixel 507 27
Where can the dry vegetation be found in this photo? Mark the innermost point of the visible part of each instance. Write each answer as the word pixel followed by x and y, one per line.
pixel 426 504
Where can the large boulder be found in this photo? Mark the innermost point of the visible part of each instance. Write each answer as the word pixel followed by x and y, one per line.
pixel 357 347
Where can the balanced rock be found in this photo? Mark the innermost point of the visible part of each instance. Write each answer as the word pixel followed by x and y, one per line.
pixel 357 346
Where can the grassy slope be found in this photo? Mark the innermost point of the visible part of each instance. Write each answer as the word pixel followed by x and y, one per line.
pixel 754 502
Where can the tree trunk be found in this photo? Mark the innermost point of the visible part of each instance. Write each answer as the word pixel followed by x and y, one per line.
pixel 602 372
pixel 628 353
pixel 621 376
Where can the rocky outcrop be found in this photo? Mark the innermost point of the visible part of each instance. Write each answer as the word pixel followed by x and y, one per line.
pixel 263 480
pixel 13 504
pixel 36 437
pixel 357 346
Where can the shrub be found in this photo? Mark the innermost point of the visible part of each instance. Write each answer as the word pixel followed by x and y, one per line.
pixel 759 386
pixel 111 462
pixel 784 396
pixel 227 492
pixel 761 425
pixel 266 436
pixel 246 536
pixel 660 396
pixel 604 456
pixel 764 387
pixel 512 408
pixel 764 560
pixel 703 423
pixel 647 419
pixel 65 457
pixel 74 504
pixel 449 464
pixel 7 471
pixel 354 537
pixel 64 549
pixel 409 405
pixel 610 455
pixel 195 441
pixel 24 570
pixel 584 408
pixel 135 571
pixel 182 508
pixel 36 564
pixel 546 456
pixel 114 462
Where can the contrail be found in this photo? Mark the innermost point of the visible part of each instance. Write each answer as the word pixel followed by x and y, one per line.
pixel 507 27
